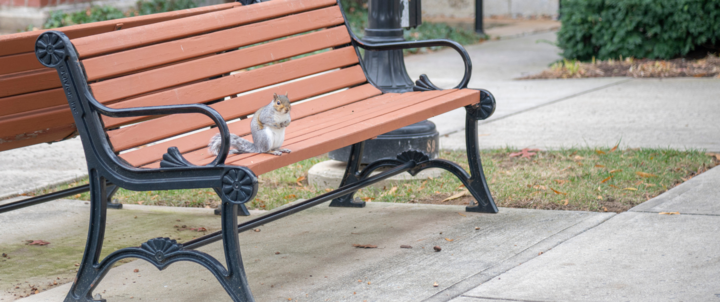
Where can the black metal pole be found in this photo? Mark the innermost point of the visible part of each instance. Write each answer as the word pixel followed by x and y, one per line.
pixel 44 198
pixel 479 17
pixel 386 68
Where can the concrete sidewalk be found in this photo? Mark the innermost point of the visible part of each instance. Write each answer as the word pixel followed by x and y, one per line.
pixel 634 256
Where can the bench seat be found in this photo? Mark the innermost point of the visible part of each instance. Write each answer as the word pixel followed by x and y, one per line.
pixel 146 101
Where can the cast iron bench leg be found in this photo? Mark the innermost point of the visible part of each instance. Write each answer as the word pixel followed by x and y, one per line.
pixel 160 252
pixel 351 176
pixel 110 192
pixel 476 184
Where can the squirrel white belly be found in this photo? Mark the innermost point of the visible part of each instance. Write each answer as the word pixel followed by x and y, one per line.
pixel 267 128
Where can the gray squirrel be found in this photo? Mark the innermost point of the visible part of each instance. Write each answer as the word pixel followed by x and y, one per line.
pixel 267 128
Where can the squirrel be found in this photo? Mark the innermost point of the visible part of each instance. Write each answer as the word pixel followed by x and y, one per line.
pixel 267 127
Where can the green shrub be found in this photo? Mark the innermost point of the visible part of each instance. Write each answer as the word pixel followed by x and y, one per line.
pixel 103 13
pixel 655 29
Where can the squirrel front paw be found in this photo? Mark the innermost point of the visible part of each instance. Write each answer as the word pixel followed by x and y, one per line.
pixel 278 153
pixel 284 150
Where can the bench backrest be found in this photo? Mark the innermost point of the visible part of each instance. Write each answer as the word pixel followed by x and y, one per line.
pixel 33 107
pixel 220 59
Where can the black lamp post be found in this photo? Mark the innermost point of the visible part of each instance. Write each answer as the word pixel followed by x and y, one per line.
pixel 386 20
pixel 479 17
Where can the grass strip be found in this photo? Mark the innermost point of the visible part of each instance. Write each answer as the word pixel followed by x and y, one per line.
pixel 584 179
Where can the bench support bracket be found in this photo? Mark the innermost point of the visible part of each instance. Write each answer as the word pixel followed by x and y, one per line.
pixel 351 176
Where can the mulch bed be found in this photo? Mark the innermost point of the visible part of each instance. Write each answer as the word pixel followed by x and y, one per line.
pixel 706 67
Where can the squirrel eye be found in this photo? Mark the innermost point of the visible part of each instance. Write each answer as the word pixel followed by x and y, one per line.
pixel 278 103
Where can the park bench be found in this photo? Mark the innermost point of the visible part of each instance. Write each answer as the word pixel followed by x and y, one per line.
pixel 146 101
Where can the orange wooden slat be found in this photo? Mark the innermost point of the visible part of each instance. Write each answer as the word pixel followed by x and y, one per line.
pixel 168 126
pixel 176 50
pixel 198 140
pixel 19 63
pixel 335 118
pixel 240 82
pixel 25 42
pixel 338 138
pixel 34 123
pixel 45 136
pixel 140 36
pixel 207 67
pixel 29 81
pixel 32 101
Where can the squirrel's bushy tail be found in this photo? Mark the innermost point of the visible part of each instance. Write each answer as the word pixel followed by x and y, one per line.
pixel 240 144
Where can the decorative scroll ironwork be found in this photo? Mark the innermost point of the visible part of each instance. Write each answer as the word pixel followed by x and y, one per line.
pixel 174 159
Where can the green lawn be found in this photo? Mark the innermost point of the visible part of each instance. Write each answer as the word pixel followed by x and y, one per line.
pixel 572 179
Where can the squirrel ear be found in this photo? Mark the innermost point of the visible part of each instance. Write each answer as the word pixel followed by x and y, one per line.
pixel 275 96
pixel 286 94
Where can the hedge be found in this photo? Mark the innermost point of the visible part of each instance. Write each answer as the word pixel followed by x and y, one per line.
pixel 654 29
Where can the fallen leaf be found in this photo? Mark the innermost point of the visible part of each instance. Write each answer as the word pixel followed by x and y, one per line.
pixel 256 230
pixel 615 171
pixel 461 214
pixel 461 186
pixel 669 213
pixel 299 179
pixel 456 196
pixel 477 228
pixel 365 246
pixel 391 191
pixel 578 157
pixel 404 246
pixel 614 148
pixel 562 181
pixel 368 199
pixel 599 166
pixel 566 202
pixel 291 196
pixel 437 248
pixel 630 189
pixel 328 190
pixel 614 186
pixel 38 242
pixel 558 192
pixel 199 229
pixel 600 197
pixel 646 175
pixel 715 155
pixel 527 153
pixel 449 240
pixel 649 185
pixel 136 271
pixel 140 202
pixel 601 152
pixel 606 179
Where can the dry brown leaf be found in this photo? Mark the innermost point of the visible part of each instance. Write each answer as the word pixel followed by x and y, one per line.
pixel 449 240
pixel 578 157
pixel 299 179
pixel 461 214
pixel 615 171
pixel 391 191
pixel 456 196
pixel 365 246
pixel 291 196
pixel 630 189
pixel 558 192
pixel 715 155
pixel 606 179
pixel 328 190
pixel 614 148
pixel 599 166
pixel 562 181
pixel 566 202
pixel 38 242
pixel 368 199
pixel 404 246
pixel 646 175
pixel 669 213
pixel 601 152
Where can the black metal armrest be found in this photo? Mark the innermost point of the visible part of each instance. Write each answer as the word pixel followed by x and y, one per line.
pixel 173 109
pixel 423 83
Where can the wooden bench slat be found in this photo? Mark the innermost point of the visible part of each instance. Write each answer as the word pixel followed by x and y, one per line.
pixel 140 36
pixel 207 67
pixel 197 140
pixel 308 127
pixel 338 138
pixel 25 42
pixel 35 123
pixel 37 137
pixel 238 83
pixel 32 101
pixel 176 50
pixel 19 62
pixel 29 81
pixel 168 126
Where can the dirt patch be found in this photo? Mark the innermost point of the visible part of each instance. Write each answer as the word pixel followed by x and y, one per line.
pixel 706 67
